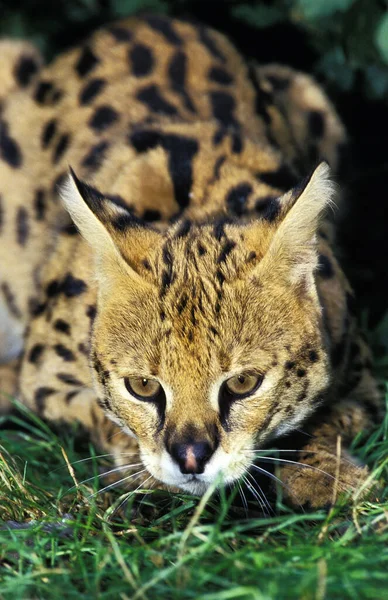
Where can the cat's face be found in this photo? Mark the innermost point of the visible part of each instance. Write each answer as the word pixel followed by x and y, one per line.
pixel 208 339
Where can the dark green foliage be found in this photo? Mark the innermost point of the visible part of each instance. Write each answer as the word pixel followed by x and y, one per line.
pixel 349 37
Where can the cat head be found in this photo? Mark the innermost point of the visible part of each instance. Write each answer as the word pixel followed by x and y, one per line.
pixel 208 340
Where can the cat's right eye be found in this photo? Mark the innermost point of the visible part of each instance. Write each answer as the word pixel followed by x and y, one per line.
pixel 145 389
pixel 242 385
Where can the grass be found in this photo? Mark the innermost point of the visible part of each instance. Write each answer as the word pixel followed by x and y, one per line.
pixel 166 546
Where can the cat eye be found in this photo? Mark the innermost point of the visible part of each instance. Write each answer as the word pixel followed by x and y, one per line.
pixel 143 388
pixel 242 385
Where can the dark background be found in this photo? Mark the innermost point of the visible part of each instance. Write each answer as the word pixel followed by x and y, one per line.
pixel 344 43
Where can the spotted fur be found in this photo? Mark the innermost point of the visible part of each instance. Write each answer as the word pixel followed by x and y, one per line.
pixel 205 251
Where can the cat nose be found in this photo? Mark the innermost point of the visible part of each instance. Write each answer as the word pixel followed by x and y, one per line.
pixel 192 457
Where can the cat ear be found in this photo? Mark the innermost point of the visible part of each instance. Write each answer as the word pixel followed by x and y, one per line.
pixel 292 252
pixel 118 238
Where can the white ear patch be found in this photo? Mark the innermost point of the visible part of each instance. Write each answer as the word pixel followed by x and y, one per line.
pixel 85 220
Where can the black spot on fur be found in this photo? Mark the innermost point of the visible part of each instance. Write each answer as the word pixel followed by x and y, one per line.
pixel 69 229
pixel 53 288
pixel 283 178
pixel 103 117
pixel 213 330
pixel 183 229
pixel 25 70
pixel 61 147
pixel 86 62
pixel 325 268
pixel 219 136
pixel 150 214
pixel 95 156
pixel 9 148
pixel 223 106
pixel 225 251
pixel 262 98
pixel 70 395
pixel 201 249
pixel 268 208
pixel 279 84
pixel 48 132
pixel 40 396
pixel 56 96
pixel 35 353
pixel 177 75
pixel 91 312
pixel 62 326
pixel 22 226
pixel 208 41
pixel 220 276
pixel 301 372
pixel 219 227
pixel 146 264
pixel 91 91
pixel 151 97
pixel 36 308
pixel 182 303
pixel 313 356
pixel 164 26
pixel 124 222
pixel 121 34
pixel 181 152
pixel 72 286
pixel 83 349
pixel 58 182
pixel 220 75
pixel 167 279
pixel 217 167
pixel 145 140
pixel 64 352
pixel 316 124
pixel 237 198
pixel 289 365
pixel 237 144
pixel 142 60
pixel 69 379
pixel 43 90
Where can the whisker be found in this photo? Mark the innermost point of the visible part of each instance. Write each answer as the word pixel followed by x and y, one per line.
pixel 92 458
pixel 129 495
pixel 243 498
pixel 258 453
pixel 274 478
pixel 255 493
pixel 281 450
pixel 116 483
pixel 260 490
pixel 298 464
pixel 120 468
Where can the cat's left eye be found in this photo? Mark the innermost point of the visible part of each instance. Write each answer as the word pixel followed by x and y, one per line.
pixel 242 385
pixel 143 388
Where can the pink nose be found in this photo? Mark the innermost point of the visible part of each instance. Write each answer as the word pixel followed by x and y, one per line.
pixel 192 457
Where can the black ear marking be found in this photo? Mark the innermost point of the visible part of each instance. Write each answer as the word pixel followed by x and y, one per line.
pixel 109 209
pixel 93 198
